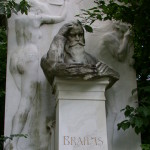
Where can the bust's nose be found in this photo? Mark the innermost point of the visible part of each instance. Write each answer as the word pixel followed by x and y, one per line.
pixel 77 37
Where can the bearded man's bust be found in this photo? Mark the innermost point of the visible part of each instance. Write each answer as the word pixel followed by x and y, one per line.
pixel 74 51
pixel 67 57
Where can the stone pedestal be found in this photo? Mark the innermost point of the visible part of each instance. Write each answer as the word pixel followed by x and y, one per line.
pixel 80 114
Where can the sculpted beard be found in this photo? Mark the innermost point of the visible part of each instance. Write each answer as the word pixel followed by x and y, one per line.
pixel 75 43
pixel 75 47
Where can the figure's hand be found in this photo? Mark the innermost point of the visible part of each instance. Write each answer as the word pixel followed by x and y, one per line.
pixel 128 33
pixel 85 71
pixel 63 30
pixel 91 74
pixel 81 69
pixel 101 68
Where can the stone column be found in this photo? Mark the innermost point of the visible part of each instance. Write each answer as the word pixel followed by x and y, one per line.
pixel 80 114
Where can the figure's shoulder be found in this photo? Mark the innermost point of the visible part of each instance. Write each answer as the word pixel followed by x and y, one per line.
pixel 91 59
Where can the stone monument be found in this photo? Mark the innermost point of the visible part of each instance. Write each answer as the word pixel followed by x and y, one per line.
pixel 68 59
pixel 30 96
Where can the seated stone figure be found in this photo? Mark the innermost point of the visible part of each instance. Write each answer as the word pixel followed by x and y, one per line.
pixel 67 57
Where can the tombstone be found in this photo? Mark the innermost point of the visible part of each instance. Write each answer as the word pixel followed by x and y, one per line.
pixel 34 95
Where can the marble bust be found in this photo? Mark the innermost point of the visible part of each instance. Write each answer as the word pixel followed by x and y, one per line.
pixel 67 57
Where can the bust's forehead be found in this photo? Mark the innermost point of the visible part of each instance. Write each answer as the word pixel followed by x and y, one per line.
pixel 76 29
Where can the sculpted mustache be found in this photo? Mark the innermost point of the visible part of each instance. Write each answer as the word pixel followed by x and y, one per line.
pixel 75 43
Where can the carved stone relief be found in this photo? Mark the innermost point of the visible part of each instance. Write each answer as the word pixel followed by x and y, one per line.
pixel 24 63
pixel 117 52
pixel 29 103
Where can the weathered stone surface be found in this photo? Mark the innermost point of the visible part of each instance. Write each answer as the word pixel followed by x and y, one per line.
pixel 24 68
pixel 109 42
pixel 67 57
pixel 80 114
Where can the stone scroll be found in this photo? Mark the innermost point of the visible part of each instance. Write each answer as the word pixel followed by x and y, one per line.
pixel 30 103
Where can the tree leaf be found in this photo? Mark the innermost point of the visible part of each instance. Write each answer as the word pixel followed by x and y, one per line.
pixel 138 122
pixel 125 125
pixel 137 130
pixel 88 28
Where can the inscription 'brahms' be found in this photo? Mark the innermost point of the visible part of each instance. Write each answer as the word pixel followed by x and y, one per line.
pixel 79 141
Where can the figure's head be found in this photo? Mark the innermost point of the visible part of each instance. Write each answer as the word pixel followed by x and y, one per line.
pixel 120 28
pixel 75 35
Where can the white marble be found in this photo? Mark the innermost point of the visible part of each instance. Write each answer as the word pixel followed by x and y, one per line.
pixel 105 43
pixel 120 94
pixel 80 117
pixel 25 74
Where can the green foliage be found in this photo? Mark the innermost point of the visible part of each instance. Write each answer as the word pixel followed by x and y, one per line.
pixel 145 146
pixel 4 138
pixel 11 137
pixel 88 28
pixel 137 118
pixel 137 14
pixel 7 7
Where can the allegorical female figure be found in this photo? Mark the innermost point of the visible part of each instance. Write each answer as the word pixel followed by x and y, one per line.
pixel 24 62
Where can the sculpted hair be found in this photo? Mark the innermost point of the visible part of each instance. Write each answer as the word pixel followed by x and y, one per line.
pixel 78 24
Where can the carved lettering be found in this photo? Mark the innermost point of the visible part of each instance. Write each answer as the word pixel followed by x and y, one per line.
pixel 73 141
pixel 83 141
pixel 86 141
pixel 100 142
pixel 66 139
pixel 80 141
pixel 94 139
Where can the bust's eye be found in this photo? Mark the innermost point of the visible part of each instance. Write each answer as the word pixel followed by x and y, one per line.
pixel 73 35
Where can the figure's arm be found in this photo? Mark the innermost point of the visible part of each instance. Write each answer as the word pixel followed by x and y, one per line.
pixel 53 65
pixel 56 51
pixel 124 46
pixel 54 57
pixel 66 70
pixel 47 19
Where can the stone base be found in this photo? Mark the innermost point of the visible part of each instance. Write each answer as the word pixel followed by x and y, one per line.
pixel 80 114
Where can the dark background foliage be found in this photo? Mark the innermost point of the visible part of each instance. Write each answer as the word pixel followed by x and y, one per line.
pixel 3 53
